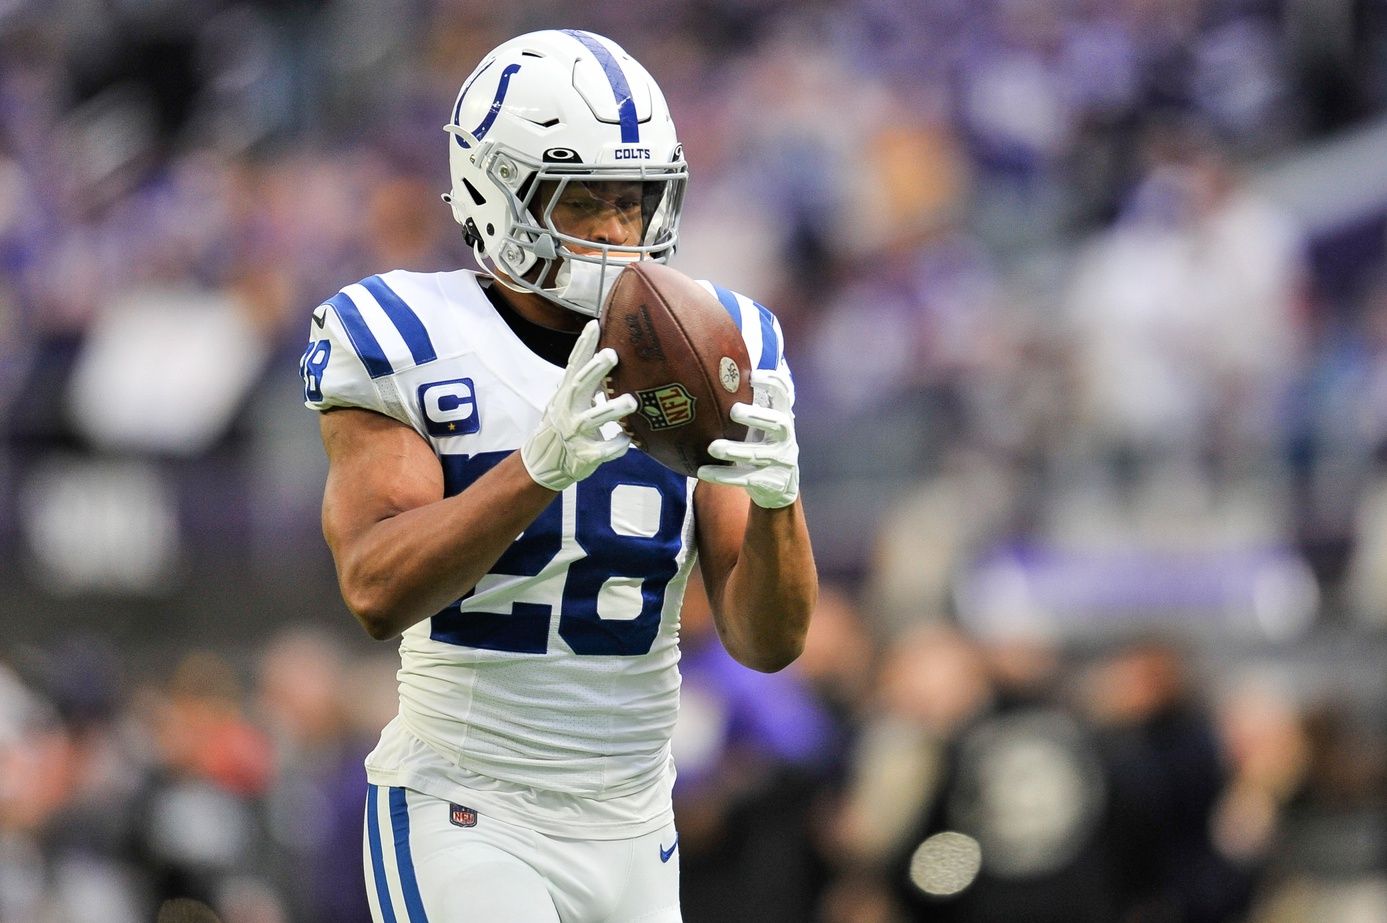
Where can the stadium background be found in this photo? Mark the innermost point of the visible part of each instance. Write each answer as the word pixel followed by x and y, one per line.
pixel 1087 307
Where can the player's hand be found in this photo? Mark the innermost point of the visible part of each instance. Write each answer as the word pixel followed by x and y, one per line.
pixel 766 464
pixel 569 445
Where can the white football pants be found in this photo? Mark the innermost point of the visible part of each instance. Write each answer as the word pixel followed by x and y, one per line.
pixel 429 861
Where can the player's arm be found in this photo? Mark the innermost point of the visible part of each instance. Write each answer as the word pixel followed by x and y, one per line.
pixel 753 544
pixel 758 568
pixel 403 551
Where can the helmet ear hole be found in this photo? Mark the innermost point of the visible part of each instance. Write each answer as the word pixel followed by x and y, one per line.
pixel 477 197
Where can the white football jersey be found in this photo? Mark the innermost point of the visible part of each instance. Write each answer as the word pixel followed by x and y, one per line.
pixel 559 671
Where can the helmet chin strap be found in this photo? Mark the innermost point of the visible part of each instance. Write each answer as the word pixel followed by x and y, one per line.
pixel 579 285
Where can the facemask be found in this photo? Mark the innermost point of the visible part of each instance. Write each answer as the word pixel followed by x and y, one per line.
pixel 583 285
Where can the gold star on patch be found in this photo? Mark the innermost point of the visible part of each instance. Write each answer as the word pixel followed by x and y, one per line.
pixel 452 426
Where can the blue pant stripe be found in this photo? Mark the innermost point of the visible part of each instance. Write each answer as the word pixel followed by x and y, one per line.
pixel 387 909
pixel 399 821
pixel 403 317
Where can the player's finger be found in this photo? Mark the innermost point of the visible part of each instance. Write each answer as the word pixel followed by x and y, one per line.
pixel 745 453
pixel 613 448
pixel 614 409
pixel 596 369
pixel 722 474
pixel 581 355
pixel 585 346
pixel 770 421
pixel 775 384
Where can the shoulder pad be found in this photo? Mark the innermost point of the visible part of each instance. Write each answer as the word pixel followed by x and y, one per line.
pixel 765 343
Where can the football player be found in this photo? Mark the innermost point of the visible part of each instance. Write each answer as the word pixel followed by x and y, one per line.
pixel 483 503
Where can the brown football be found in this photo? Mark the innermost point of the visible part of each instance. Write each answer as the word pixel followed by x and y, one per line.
pixel 681 354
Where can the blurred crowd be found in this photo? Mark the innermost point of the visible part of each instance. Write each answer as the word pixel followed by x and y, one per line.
pixel 1093 417
pixel 938 776
pixel 235 786
pixel 949 777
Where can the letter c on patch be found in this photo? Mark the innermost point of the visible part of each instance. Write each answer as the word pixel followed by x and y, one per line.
pixel 450 407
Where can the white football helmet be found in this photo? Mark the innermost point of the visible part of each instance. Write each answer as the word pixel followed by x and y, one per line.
pixel 560 106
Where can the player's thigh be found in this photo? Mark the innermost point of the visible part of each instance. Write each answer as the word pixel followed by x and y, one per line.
pixel 632 880
pixel 651 894
pixel 422 867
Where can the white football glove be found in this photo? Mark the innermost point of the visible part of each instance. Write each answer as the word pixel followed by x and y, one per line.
pixel 569 445
pixel 766 464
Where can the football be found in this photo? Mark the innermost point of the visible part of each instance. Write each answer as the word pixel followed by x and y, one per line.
pixel 680 353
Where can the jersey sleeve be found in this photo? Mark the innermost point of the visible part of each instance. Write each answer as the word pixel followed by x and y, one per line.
pixel 765 343
pixel 344 365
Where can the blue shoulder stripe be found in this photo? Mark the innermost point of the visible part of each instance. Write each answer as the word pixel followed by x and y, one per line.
pixel 729 301
pixel 387 910
pixel 770 343
pixel 404 319
pixel 404 860
pixel 363 340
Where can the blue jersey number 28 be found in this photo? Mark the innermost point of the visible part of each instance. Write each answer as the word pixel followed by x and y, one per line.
pixel 312 364
pixel 644 562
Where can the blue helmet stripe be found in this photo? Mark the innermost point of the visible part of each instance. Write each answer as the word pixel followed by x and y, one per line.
pixel 770 343
pixel 405 320
pixel 387 910
pixel 363 340
pixel 621 90
pixel 457 109
pixel 729 301
pixel 480 131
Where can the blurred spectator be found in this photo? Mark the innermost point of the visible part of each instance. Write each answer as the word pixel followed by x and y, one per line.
pixel 837 663
pixel 200 813
pixel 1266 751
pixel 1018 779
pixel 930 535
pixel 931 683
pixel 1331 856
pixel 753 749
pixel 1353 436
pixel 1165 772
pixel 306 695
pixel 67 786
pixel 1186 320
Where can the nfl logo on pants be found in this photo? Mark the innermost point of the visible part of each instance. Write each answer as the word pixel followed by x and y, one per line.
pixel 462 817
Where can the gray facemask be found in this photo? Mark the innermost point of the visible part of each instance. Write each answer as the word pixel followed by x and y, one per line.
pixel 583 284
